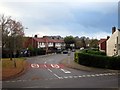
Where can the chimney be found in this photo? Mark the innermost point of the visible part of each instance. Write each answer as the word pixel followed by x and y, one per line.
pixel 35 36
pixel 113 29
pixel 108 37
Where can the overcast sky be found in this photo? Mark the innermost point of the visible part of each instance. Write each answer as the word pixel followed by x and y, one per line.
pixel 90 18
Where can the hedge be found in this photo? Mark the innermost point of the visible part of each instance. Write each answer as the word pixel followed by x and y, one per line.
pixel 93 52
pixel 37 51
pixel 98 61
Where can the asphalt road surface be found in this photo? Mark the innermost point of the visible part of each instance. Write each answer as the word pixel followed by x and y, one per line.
pixel 46 72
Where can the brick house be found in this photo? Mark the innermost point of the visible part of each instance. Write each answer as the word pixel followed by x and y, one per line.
pixel 102 45
pixel 45 43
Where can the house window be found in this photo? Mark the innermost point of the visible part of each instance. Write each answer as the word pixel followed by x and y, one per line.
pixel 42 43
pixel 118 46
pixel 115 45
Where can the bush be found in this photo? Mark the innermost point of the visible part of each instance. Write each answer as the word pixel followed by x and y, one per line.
pixel 94 52
pixel 99 61
pixel 37 51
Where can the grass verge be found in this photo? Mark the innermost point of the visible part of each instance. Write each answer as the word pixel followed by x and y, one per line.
pixel 8 68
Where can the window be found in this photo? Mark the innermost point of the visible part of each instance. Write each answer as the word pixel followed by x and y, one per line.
pixel 115 45
pixel 118 46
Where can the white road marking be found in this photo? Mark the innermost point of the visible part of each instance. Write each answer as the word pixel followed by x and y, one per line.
pixel 45 65
pixel 35 65
pixel 93 75
pixel 49 70
pixel 101 74
pixel 65 71
pixel 60 78
pixel 45 62
pixel 70 76
pixel 113 73
pixel 97 75
pixel 106 74
pixel 109 73
pixel 65 77
pixel 88 75
pixel 75 76
pixel 83 75
pixel 55 66
pixel 79 76
pixel 56 75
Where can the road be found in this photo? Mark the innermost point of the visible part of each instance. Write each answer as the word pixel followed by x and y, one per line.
pixel 46 72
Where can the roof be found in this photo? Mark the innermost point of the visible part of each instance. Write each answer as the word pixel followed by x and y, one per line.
pixel 39 39
pixel 48 40
pixel 102 40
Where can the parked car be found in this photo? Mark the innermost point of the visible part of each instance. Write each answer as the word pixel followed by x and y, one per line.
pixel 65 52
pixel 58 51
pixel 73 50
pixel 81 48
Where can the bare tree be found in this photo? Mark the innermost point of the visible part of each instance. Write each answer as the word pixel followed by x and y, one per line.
pixel 12 33
pixel 4 28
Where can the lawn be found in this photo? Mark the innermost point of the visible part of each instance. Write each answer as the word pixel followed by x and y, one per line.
pixel 8 68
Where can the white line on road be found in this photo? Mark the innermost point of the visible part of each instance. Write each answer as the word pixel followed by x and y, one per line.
pixel 65 77
pixel 45 62
pixel 70 76
pixel 93 75
pixel 49 70
pixel 45 65
pixel 65 71
pixel 88 75
pixel 55 66
pixel 75 76
pixel 97 75
pixel 79 76
pixel 57 76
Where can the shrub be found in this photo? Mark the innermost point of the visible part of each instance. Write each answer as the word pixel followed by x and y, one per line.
pixel 94 52
pixel 37 51
pixel 99 61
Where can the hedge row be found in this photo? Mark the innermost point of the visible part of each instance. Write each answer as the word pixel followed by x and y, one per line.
pixel 33 52
pixel 98 61
pixel 93 52
pixel 36 51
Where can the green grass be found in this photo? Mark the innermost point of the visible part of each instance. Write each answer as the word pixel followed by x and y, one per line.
pixel 8 68
pixel 7 63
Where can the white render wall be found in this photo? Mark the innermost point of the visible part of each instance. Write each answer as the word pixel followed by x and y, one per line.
pixel 41 45
pixel 112 44
pixel 57 45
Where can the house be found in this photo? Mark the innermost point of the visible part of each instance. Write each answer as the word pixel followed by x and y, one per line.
pixel 113 43
pixel 102 45
pixel 46 43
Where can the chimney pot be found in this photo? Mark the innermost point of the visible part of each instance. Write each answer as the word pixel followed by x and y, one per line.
pixel 113 29
pixel 108 37
pixel 35 36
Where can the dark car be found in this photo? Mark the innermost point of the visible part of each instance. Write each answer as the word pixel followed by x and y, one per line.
pixel 73 50
pixel 58 51
pixel 65 52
